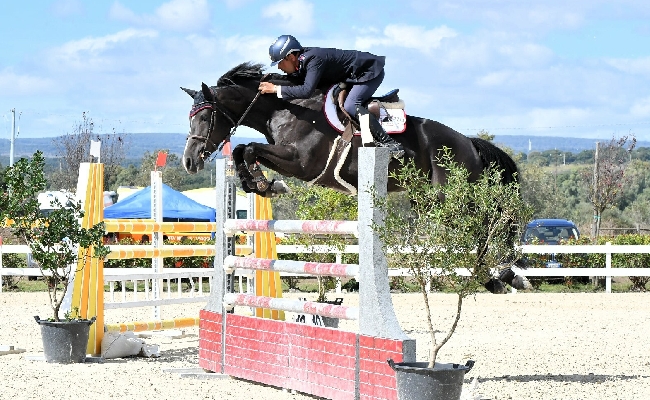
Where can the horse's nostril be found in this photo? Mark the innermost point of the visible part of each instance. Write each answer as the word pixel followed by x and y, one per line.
pixel 188 163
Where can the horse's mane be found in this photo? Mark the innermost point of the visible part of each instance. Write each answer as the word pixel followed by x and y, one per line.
pixel 246 70
pixel 251 71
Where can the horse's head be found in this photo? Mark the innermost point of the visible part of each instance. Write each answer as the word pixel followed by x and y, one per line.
pixel 217 111
pixel 204 136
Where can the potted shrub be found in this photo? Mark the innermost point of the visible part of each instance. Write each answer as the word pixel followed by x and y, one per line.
pixel 452 245
pixel 57 242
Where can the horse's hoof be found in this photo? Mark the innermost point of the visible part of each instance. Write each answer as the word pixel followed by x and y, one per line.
pixel 495 286
pixel 521 283
pixel 246 187
pixel 507 275
pixel 395 149
pixel 263 186
pixel 279 187
pixel 397 154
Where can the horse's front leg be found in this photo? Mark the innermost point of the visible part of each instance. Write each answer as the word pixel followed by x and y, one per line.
pixel 249 172
pixel 282 159
pixel 251 175
pixel 244 175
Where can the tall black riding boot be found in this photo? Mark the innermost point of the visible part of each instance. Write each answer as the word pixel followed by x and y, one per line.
pixel 379 135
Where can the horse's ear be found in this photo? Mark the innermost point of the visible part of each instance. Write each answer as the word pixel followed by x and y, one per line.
pixel 191 92
pixel 207 93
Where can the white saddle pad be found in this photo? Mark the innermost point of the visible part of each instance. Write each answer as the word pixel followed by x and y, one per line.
pixel 393 120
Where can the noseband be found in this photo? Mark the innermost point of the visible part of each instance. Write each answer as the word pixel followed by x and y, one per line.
pixel 214 106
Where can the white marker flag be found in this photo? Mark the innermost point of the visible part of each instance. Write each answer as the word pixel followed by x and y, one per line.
pixel 95 147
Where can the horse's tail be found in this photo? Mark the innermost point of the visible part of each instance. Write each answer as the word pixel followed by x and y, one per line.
pixel 491 154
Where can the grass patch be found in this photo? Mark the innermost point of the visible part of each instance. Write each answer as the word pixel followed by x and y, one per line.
pixel 25 285
pixel 310 285
pixel 173 287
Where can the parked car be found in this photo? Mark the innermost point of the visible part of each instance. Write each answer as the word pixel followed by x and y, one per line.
pixel 550 232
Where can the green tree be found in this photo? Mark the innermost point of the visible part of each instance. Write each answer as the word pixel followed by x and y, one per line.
pixel 128 176
pixel 608 178
pixel 537 189
pixel 74 148
pixel 485 135
pixel 470 230
pixel 57 241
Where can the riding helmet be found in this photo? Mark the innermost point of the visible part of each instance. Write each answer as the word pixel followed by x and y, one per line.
pixel 284 45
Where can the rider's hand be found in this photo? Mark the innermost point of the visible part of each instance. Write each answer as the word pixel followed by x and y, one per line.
pixel 267 87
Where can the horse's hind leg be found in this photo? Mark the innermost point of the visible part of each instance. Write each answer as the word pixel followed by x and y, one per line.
pixel 508 275
pixel 495 286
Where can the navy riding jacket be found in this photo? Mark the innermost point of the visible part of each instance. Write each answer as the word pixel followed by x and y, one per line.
pixel 319 66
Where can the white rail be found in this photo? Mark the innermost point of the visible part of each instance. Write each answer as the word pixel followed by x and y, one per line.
pixel 123 275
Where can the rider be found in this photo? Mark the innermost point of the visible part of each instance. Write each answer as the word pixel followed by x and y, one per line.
pixel 363 71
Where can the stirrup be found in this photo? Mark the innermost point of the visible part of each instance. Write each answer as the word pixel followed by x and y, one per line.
pixel 396 150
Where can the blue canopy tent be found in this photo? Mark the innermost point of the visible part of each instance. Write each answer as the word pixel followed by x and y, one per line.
pixel 176 207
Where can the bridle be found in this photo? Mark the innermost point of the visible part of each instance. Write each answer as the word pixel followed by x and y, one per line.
pixel 213 106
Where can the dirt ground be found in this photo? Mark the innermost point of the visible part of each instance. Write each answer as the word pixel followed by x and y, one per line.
pixel 526 346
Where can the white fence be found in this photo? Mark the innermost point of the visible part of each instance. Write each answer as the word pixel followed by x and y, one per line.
pixel 605 271
pixel 139 277
pixel 196 277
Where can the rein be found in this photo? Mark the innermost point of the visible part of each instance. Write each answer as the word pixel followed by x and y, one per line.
pixel 234 128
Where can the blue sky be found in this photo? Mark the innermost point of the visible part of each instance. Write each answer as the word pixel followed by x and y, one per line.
pixel 576 68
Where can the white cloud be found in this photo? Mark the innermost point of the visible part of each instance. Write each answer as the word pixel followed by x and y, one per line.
pixel 641 108
pixel 525 17
pixel 21 84
pixel 248 48
pixel 66 8
pixel 84 50
pixel 639 66
pixel 296 16
pixel 497 78
pixel 122 13
pixel 232 49
pixel 236 3
pixel 558 117
pixel 177 15
pixel 408 36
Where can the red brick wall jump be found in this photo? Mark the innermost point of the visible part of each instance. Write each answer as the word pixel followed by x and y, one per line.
pixel 310 359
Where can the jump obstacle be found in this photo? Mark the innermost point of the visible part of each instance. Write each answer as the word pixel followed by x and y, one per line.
pixel 86 290
pixel 311 359
pixel 316 360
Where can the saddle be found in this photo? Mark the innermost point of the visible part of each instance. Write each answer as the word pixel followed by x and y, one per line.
pixel 388 109
pixel 390 100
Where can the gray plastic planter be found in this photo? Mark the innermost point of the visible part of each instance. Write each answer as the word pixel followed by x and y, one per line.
pixel 65 342
pixel 417 382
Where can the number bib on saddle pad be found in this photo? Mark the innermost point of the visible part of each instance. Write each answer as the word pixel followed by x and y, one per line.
pixel 393 120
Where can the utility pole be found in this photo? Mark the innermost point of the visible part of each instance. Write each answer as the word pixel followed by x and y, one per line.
pixel 595 200
pixel 13 137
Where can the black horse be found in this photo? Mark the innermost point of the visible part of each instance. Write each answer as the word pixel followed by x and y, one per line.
pixel 303 144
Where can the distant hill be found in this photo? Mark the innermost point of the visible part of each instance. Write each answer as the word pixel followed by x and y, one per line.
pixel 139 143
pixel 541 143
